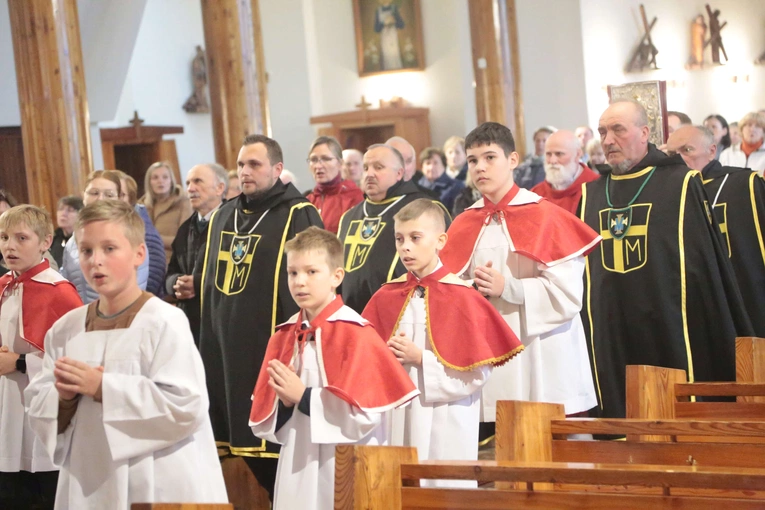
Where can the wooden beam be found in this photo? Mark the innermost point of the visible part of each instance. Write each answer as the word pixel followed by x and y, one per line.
pixel 496 65
pixel 236 74
pixel 54 108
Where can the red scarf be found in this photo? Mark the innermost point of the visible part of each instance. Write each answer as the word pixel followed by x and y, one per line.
pixel 359 367
pixel 749 148
pixel 464 329
pixel 329 187
pixel 541 231
pixel 42 303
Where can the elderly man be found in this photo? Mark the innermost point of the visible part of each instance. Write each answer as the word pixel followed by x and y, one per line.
pixel 564 171
pixel 245 295
pixel 366 230
pixel 353 169
pixel 584 134
pixel 750 152
pixel 206 186
pixel 410 164
pixel 660 290
pixel 737 199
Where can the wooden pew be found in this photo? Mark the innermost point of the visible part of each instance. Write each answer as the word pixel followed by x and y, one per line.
pixel 664 393
pixel 387 478
pixel 534 432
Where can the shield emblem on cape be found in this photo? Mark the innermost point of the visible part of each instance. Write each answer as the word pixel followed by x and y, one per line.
pixel 359 241
pixel 619 221
pixel 369 228
pixel 240 247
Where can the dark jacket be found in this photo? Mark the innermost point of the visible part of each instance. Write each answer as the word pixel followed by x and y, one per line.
pixel 188 251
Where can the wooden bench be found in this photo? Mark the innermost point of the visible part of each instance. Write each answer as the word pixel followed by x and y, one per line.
pixel 387 478
pixel 663 393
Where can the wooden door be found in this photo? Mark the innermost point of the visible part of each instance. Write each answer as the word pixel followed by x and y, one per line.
pixel 13 176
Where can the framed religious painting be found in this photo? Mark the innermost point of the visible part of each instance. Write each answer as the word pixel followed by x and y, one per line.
pixel 388 36
pixel 653 96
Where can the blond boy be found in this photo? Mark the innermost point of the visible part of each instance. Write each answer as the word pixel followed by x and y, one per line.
pixel 32 297
pixel 329 363
pixel 446 335
pixel 120 402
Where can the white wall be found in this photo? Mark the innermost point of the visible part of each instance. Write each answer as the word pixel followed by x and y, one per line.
pixel 612 28
pixel 552 65
pixel 10 115
pixel 445 86
pixel 159 78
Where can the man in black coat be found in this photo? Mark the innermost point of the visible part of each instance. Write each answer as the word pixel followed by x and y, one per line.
pixel 206 185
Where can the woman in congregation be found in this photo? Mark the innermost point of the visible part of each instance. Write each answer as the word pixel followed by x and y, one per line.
pixel 99 185
pixel 719 128
pixel 750 153
pixel 332 195
pixel 166 202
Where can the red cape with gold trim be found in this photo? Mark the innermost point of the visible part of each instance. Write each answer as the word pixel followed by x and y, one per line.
pixel 356 364
pixel 536 228
pixel 464 329
pixel 44 299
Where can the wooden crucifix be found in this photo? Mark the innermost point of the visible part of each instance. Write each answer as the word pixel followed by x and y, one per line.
pixel 715 39
pixel 644 56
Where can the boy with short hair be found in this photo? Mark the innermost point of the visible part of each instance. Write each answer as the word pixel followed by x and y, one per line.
pixel 329 363
pixel 32 297
pixel 121 402
pixel 527 256
pixel 446 335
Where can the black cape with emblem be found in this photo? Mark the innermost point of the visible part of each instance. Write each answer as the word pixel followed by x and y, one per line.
pixel 737 197
pixel 369 243
pixel 244 296
pixel 660 290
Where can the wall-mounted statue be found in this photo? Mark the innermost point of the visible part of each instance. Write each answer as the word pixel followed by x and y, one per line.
pixel 644 56
pixel 715 39
pixel 197 102
pixel 698 38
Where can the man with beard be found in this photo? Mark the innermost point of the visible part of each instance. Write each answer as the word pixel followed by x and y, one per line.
pixel 206 186
pixel 245 295
pixel 737 200
pixel 660 290
pixel 366 230
pixel 564 171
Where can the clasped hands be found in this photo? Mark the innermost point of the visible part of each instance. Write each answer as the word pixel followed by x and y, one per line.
pixel 285 382
pixel 405 350
pixel 489 281
pixel 76 377
pixel 184 287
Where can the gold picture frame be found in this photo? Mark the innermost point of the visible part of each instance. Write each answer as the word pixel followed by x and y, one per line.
pixel 388 36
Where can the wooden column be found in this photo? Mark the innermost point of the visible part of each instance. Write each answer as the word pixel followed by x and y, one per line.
pixel 52 99
pixel 236 74
pixel 496 65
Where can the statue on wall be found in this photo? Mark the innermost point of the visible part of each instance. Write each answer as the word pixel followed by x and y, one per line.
pixel 644 56
pixel 698 37
pixel 715 39
pixel 198 103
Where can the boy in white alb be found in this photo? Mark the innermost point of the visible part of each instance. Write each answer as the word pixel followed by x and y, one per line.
pixel 446 335
pixel 327 378
pixel 32 297
pixel 527 256
pixel 121 402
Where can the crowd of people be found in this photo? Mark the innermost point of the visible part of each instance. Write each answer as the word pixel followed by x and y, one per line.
pixel 145 338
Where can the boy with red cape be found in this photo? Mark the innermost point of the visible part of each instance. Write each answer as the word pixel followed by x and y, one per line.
pixel 526 255
pixel 446 335
pixel 329 363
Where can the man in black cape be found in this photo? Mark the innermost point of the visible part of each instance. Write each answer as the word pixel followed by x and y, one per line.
pixel 736 198
pixel 660 290
pixel 245 295
pixel 366 230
